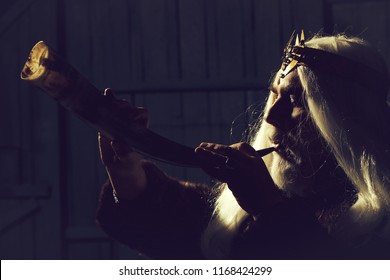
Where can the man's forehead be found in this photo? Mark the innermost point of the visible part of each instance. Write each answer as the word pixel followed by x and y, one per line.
pixel 289 83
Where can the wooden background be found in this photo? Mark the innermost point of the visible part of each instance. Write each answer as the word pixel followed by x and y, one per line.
pixel 197 65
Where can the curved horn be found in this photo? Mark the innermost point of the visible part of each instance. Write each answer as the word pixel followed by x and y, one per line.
pixel 48 71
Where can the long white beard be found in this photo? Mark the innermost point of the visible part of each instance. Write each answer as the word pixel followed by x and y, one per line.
pixel 286 173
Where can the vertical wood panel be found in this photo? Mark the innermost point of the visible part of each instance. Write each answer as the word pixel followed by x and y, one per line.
pixel 192 39
pixel 211 38
pixel 154 31
pixel 110 43
pixel 88 250
pixel 10 94
pixel 308 15
pixel 226 25
pixel 356 19
pixel 159 23
pixel 136 56
pixel 248 38
pixel 35 234
pixel 13 239
pixel 269 37
pixel 79 36
pixel 229 36
pixel 43 150
pixel 82 146
pixel 194 55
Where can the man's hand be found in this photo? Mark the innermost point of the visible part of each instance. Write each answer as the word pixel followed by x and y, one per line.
pixel 244 172
pixel 122 163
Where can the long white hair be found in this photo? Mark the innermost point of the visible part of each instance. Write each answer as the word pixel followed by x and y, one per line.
pixel 355 123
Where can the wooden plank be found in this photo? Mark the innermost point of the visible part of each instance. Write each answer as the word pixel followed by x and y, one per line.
pixel 88 250
pixel 211 38
pixel 374 26
pixel 196 109
pixel 164 108
pixel 78 34
pixel 25 191
pixel 229 36
pixel 121 47
pixel 102 55
pixel 136 57
pixel 27 103
pixel 9 165
pixel 270 37
pixel 83 170
pixel 85 233
pixel 346 18
pixel 173 39
pixel 308 15
pixel 224 112
pixel 227 60
pixel 154 30
pixel 82 144
pixel 17 214
pixel 192 85
pixel 17 239
pixel 360 22
pixel 156 47
pixel 12 14
pixel 193 39
pixel 22 239
pixel 352 1
pixel 10 94
pixel 110 43
pixel 10 109
pixel 386 50
pixel 43 156
pixel 248 38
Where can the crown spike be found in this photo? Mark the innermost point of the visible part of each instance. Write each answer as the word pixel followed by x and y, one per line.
pixel 302 38
pixel 289 43
pixel 297 41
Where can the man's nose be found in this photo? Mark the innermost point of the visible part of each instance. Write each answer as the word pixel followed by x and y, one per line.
pixel 279 113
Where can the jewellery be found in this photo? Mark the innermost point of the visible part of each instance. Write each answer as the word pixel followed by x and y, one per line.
pixel 298 54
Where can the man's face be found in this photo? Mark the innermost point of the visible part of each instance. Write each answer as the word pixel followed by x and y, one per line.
pixel 301 154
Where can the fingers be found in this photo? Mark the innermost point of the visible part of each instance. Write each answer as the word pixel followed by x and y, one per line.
pixel 114 152
pixel 226 163
pixel 109 93
pixel 121 150
pixel 132 113
pixel 244 172
pixel 245 148
pixel 234 156
pixel 106 152
pixel 142 116
pixel 211 155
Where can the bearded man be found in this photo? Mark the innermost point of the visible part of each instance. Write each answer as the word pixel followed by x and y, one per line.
pixel 322 193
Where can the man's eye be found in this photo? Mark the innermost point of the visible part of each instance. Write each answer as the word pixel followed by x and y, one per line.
pixel 295 101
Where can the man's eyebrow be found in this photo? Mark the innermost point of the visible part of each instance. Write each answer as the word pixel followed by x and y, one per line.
pixel 273 88
pixel 289 88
